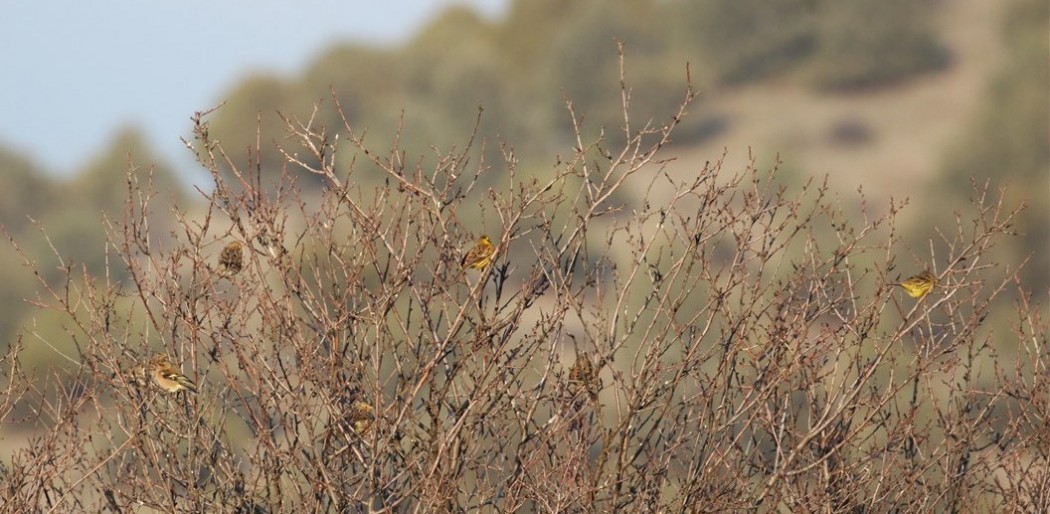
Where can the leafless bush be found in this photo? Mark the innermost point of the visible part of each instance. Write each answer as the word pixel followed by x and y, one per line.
pixel 719 343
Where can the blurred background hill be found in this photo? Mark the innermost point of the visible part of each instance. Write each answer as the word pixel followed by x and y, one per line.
pixel 908 100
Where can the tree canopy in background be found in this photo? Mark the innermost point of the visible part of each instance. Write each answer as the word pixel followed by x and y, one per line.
pixel 1009 142
pixel 59 225
pixel 521 69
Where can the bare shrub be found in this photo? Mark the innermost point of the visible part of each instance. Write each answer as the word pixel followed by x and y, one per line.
pixel 718 343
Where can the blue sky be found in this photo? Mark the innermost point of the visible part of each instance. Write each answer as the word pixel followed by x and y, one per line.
pixel 76 72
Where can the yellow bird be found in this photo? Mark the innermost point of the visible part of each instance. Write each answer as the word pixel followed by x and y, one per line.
pixel 919 285
pixel 361 416
pixel 480 256
pixel 168 377
pixel 231 259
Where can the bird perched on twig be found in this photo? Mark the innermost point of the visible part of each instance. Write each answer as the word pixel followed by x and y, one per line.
pixel 168 377
pixel 361 416
pixel 919 285
pixel 582 371
pixel 231 259
pixel 480 255
pixel 584 376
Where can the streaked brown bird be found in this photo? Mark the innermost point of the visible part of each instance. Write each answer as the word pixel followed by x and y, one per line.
pixel 919 285
pixel 168 377
pixel 583 376
pixel 231 259
pixel 480 255
pixel 582 371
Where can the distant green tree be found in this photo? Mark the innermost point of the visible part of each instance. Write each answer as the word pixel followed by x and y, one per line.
pixel 528 38
pixel 863 44
pixel 19 287
pixel 525 36
pixel 76 226
pixel 369 84
pixel 250 117
pixel 78 233
pixel 453 69
pixel 1009 142
pixel 102 183
pixel 520 70
pixel 585 65
pixel 366 80
pixel 24 190
pixel 745 40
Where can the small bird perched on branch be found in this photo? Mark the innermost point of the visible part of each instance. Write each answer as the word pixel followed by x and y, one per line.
pixel 480 255
pixel 361 416
pixel 168 377
pixel 231 259
pixel 919 285
pixel 584 376
pixel 582 371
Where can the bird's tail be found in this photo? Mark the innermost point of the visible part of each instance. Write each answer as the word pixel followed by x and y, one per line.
pixel 187 383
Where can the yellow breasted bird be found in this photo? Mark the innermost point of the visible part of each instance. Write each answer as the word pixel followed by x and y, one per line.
pixel 919 285
pixel 361 416
pixel 480 255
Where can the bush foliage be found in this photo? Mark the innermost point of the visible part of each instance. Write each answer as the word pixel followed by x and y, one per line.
pixel 726 344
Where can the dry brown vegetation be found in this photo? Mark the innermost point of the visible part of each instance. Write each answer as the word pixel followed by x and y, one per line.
pixel 742 349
